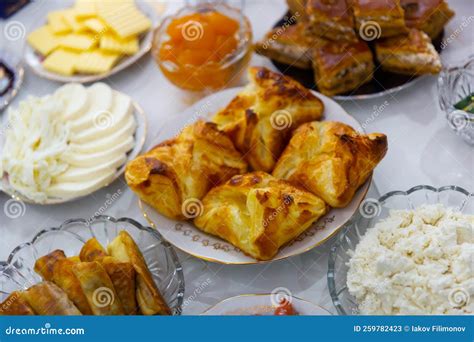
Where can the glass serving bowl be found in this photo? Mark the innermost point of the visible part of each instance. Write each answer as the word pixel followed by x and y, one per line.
pixel 370 212
pixel 17 273
pixel 456 83
pixel 211 75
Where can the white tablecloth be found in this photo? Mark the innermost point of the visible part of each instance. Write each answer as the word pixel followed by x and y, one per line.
pixel 422 150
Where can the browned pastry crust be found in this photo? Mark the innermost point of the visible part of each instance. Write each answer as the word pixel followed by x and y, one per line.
pixel 331 19
pixel 331 160
pixel 412 54
pixel 342 67
pixel 430 16
pixel 92 251
pixel 261 117
pixel 15 305
pixel 48 299
pixel 183 168
pixel 387 14
pixel 298 8
pixel 259 213
pixel 287 45
pixel 44 266
pixel 149 298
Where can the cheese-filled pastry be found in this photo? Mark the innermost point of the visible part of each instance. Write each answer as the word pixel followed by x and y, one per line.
pixel 183 169
pixel 259 213
pixel 331 160
pixel 44 266
pixel 98 288
pixel 47 299
pixel 15 305
pixel 92 251
pixel 122 275
pixel 149 298
pixel 331 19
pixel 429 16
pixel 288 45
pixel 260 118
pixel 64 277
pixel 378 18
pixel 342 67
pixel 412 54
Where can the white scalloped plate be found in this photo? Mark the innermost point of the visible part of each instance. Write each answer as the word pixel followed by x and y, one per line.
pixel 34 60
pixel 186 237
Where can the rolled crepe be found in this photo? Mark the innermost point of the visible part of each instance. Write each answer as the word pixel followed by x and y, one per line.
pixel 64 277
pixel 44 265
pixel 15 304
pixel 149 297
pixel 122 275
pixel 48 299
pixel 92 251
pixel 98 288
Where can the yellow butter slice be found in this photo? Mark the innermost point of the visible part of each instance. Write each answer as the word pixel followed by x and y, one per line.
pixel 127 46
pixel 43 40
pixel 125 19
pixel 57 23
pixel 79 42
pixel 75 24
pixel 96 62
pixel 95 24
pixel 85 8
pixel 61 61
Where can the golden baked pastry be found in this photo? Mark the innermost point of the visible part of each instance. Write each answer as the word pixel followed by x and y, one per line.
pixel 184 168
pixel 297 8
pixel 331 160
pixel 261 117
pixel 16 305
pixel 378 18
pixel 44 266
pixel 341 67
pixel 412 54
pixel 149 298
pixel 429 16
pixel 258 213
pixel 47 299
pixel 331 19
pixel 287 45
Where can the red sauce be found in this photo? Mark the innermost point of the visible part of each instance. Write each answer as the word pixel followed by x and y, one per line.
pixel 285 309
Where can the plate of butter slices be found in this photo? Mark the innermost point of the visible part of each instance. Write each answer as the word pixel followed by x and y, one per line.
pixel 69 144
pixel 257 173
pixel 86 41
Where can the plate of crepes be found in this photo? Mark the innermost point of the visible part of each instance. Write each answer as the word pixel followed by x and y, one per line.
pixel 100 266
pixel 254 174
pixel 70 143
pixel 88 40
pixel 358 49
pixel 271 304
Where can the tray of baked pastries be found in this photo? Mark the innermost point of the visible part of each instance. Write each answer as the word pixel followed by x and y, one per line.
pixel 257 173
pixel 357 49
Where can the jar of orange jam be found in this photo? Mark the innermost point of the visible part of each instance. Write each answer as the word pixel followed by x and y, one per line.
pixel 204 46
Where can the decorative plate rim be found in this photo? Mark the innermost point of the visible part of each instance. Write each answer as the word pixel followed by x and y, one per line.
pixel 142 122
pixel 100 218
pixel 9 96
pixel 229 299
pixel 382 199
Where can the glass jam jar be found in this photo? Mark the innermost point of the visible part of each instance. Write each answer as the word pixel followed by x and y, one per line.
pixel 203 47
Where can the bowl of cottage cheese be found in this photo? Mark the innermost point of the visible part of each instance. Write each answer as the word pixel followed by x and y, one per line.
pixel 409 253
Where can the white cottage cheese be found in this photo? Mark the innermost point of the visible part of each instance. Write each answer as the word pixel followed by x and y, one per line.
pixel 415 262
